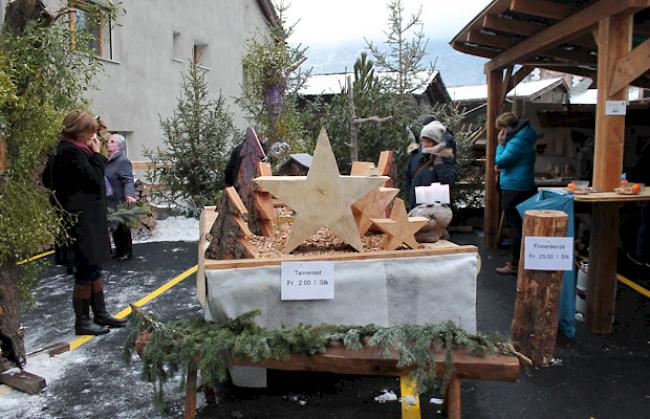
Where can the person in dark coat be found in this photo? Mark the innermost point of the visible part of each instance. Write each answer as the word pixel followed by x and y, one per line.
pixel 232 168
pixel 434 161
pixel 641 174
pixel 119 174
pixel 515 161
pixel 76 174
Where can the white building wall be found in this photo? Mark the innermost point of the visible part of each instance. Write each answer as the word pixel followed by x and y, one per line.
pixel 142 81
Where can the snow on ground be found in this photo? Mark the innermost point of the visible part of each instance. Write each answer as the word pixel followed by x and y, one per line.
pixel 174 229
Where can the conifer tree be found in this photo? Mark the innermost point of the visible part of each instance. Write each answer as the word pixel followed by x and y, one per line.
pixel 197 141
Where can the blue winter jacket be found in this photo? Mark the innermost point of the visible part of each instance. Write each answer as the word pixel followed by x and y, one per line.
pixel 516 159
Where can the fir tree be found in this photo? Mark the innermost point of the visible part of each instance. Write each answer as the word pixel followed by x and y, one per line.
pixel 197 141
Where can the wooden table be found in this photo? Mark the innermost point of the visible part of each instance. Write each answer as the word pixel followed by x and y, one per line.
pixel 612 197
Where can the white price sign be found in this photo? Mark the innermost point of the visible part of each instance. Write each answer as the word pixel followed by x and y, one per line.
pixel 548 253
pixel 307 281
pixel 615 107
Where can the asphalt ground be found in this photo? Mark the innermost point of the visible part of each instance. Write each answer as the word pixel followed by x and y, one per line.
pixel 595 376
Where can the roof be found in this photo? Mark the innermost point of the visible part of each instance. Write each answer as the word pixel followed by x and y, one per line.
pixel 333 83
pixel 590 97
pixel 553 34
pixel 302 159
pixel 525 89
pixel 269 11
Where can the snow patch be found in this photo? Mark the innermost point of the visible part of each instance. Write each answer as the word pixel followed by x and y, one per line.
pixel 174 229
pixel 436 400
pixel 386 396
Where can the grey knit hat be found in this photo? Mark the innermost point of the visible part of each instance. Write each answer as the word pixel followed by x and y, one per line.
pixel 434 131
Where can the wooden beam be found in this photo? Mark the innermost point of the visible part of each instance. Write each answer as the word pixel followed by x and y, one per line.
pixel 541 8
pixel 473 50
pixel 502 42
pixel 513 26
pixel 519 76
pixel 614 42
pixel 630 67
pixel 563 31
pixel 491 210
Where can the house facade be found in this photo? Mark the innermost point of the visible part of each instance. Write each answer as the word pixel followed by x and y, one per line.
pixel 147 50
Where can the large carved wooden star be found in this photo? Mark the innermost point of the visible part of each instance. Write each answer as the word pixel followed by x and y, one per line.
pixel 323 198
pixel 400 228
pixel 372 206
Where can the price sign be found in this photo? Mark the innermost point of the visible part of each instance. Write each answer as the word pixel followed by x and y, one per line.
pixel 615 107
pixel 548 253
pixel 307 281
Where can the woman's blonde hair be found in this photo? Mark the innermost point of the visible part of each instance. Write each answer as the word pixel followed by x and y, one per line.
pixel 507 120
pixel 77 123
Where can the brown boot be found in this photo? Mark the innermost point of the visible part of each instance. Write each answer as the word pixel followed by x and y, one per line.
pixel 102 317
pixel 508 269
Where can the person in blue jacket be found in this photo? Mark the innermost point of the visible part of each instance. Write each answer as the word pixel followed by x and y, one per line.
pixel 515 163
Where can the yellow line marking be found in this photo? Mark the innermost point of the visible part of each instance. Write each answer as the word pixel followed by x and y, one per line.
pixel 144 300
pixel 636 287
pixel 408 387
pixel 33 258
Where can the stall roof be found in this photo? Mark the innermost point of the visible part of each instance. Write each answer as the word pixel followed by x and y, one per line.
pixel 590 97
pixel 525 89
pixel 553 34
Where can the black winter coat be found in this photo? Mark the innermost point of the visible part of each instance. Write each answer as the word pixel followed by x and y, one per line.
pixel 421 171
pixel 78 182
pixel 119 173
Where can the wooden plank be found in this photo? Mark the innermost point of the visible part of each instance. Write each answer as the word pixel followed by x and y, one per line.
pixel 474 50
pixel 612 197
pixel 395 254
pixel 235 200
pixel 501 42
pixel 630 67
pixel 491 210
pixel 537 305
pixel 601 276
pixel 206 220
pixel 190 393
pixel 571 27
pixel 513 26
pixel 362 168
pixel 23 381
pixel 541 8
pixel 368 361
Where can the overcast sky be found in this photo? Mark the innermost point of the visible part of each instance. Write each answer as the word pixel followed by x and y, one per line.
pixel 334 21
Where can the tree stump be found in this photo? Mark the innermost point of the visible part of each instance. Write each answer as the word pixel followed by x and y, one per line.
pixel 537 305
pixel 230 231
pixel 12 350
pixel 264 212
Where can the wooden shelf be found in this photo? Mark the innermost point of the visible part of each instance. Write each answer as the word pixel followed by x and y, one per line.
pixel 612 197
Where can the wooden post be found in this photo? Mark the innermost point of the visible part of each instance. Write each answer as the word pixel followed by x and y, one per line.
pixel 537 306
pixel 491 211
pixel 452 401
pixel 190 393
pixel 614 42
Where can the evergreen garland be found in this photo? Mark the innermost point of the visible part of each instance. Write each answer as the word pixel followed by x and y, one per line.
pixel 132 216
pixel 177 345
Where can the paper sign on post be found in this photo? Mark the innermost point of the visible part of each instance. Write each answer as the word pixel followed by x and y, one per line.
pixel 548 253
pixel 615 107
pixel 307 280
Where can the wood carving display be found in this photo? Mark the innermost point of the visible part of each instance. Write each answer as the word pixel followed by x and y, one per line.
pixel 230 231
pixel 385 167
pixel 251 153
pixel 400 228
pixel 263 204
pixel 372 206
pixel 323 198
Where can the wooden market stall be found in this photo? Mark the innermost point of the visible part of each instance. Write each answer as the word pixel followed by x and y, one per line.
pixel 605 40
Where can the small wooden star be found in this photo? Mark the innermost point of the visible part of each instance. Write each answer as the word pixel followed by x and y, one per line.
pixel 400 228
pixel 372 206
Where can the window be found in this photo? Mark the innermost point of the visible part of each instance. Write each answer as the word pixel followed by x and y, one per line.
pixel 200 55
pixel 177 54
pixel 93 22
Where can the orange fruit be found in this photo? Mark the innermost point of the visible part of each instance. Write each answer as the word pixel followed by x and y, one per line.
pixel 636 188
pixel 624 182
pixel 571 186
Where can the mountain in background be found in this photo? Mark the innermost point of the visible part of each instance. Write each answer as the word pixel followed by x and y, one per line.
pixel 456 68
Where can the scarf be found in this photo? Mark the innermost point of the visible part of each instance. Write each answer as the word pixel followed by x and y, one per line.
pixel 78 144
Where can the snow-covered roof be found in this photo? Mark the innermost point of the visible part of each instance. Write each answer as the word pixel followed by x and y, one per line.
pixel 590 97
pixel 333 83
pixel 479 92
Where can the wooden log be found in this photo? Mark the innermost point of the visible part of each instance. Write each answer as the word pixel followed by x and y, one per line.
pixel 23 381
pixel 537 305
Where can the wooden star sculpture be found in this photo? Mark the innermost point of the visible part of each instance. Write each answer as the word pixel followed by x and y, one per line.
pixel 372 206
pixel 400 228
pixel 323 198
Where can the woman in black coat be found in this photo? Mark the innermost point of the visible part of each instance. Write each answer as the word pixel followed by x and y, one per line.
pixel 76 174
pixel 119 174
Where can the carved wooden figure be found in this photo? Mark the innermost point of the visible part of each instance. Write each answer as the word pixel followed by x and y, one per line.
pixel 400 228
pixel 230 231
pixel 251 153
pixel 371 206
pixel 323 198
pixel 264 203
